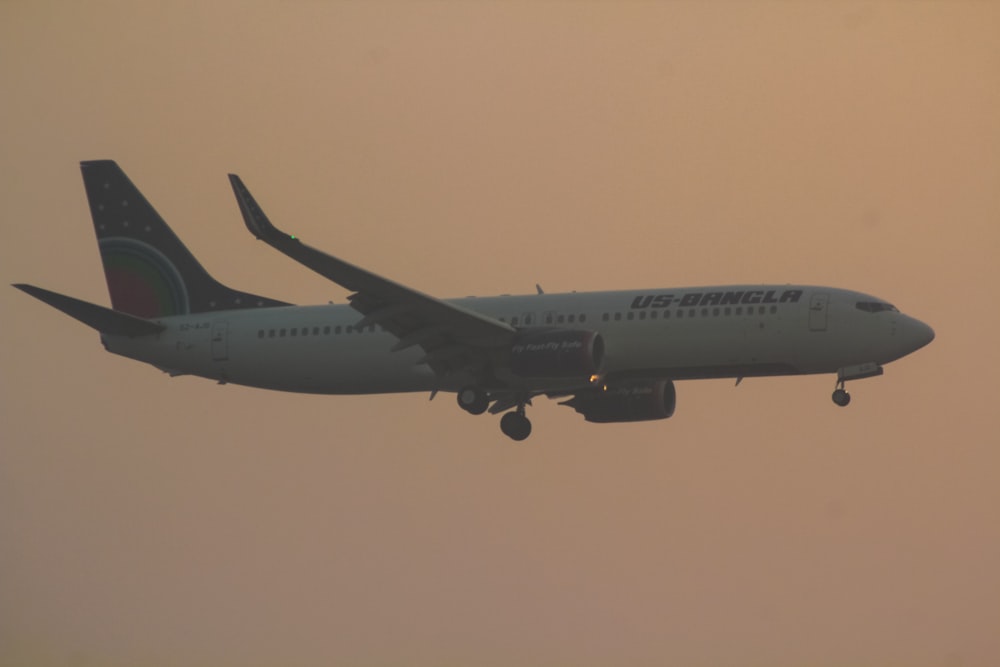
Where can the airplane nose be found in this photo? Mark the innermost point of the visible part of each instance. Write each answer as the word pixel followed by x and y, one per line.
pixel 917 334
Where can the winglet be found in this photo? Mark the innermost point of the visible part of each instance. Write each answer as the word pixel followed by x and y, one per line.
pixel 97 317
pixel 253 215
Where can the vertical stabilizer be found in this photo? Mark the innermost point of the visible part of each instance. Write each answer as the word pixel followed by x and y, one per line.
pixel 150 272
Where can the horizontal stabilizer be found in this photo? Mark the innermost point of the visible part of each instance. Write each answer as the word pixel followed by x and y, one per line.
pixel 97 317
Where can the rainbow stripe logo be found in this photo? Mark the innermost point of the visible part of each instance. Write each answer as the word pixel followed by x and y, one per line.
pixel 142 280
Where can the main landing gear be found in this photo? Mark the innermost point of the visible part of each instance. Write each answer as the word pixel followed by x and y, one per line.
pixel 473 400
pixel 514 424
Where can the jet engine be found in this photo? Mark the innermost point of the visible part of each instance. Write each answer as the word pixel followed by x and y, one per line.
pixel 557 353
pixel 627 402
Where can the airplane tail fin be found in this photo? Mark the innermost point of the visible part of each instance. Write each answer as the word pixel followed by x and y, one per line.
pixel 150 272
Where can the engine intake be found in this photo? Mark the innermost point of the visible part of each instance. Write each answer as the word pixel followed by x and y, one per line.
pixel 557 353
pixel 632 402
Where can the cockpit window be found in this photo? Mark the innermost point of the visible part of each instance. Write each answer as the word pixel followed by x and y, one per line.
pixel 875 306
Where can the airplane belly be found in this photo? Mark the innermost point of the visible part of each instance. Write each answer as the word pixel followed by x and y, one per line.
pixel 320 365
pixel 675 345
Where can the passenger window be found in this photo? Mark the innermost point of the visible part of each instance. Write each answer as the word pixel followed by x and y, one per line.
pixel 583 318
pixel 642 315
pixel 605 317
pixel 760 310
pixel 270 333
pixel 704 312
pixel 316 331
pixel 282 333
pixel 728 311
pixel 326 330
pixel 653 314
pixel 337 329
pixel 548 319
pixel 715 312
pixel 349 329
pixel 513 321
pixel 560 319
pixel 630 315
pixel 571 318
pixel 666 314
pixel 260 333
pixel 739 310
pixel 618 317
pixel 774 309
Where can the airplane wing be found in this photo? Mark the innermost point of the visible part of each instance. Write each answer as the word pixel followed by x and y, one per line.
pixel 452 337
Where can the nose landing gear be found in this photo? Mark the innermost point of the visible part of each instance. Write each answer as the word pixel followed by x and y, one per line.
pixel 840 395
pixel 859 372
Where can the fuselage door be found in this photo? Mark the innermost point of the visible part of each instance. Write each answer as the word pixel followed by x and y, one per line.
pixel 817 311
pixel 220 340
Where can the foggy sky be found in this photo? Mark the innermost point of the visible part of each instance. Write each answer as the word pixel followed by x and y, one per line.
pixel 479 148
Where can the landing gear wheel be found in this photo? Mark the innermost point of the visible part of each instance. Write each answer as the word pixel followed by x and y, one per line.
pixel 515 426
pixel 473 400
pixel 841 397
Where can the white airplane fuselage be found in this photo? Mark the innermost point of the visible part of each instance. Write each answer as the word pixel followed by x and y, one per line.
pixel 612 356
pixel 318 349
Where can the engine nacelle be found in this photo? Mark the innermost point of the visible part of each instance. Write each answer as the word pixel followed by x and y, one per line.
pixel 631 402
pixel 557 353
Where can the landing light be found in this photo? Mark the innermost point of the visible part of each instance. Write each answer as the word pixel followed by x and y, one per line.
pixel 594 379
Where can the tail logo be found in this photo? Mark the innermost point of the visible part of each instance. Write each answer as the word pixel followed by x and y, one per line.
pixel 142 280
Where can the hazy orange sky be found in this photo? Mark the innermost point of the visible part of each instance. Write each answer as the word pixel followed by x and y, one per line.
pixel 479 148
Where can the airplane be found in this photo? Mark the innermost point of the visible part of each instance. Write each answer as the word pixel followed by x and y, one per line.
pixel 612 356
